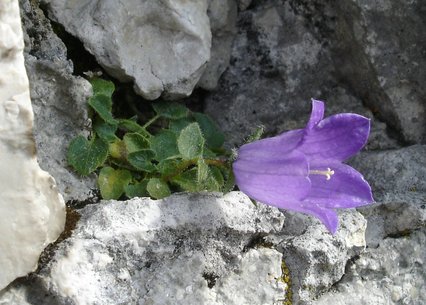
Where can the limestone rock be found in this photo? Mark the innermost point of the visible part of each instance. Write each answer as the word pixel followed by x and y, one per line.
pixel 59 101
pixel 185 249
pixel 398 181
pixel 315 258
pixel 163 46
pixel 33 212
pixel 394 273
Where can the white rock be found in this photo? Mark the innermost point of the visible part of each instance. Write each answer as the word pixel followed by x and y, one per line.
pixel 32 210
pixel 185 249
pixel 162 45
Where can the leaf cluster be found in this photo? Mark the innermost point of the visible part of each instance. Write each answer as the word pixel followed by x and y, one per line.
pixel 176 150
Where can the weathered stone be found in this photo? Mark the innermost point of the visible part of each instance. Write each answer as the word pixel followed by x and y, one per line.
pixel 59 101
pixel 186 249
pixel 399 186
pixel 33 212
pixel 162 45
pixel 278 64
pixel 394 273
pixel 315 258
pixel 223 20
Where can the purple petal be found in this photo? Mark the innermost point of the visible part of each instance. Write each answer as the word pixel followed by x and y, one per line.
pixel 317 113
pixel 274 148
pixel 345 189
pixel 327 216
pixel 337 138
pixel 276 181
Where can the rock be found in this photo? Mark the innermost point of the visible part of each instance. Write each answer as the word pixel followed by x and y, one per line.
pixel 186 249
pixel 59 101
pixel 398 181
pixel 278 64
pixel 315 258
pixel 162 46
pixel 387 60
pixel 394 273
pixel 33 212
pixel 223 19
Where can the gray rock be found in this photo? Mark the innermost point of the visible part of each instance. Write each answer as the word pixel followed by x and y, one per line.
pixel 394 273
pixel 390 38
pixel 186 249
pixel 162 45
pixel 59 101
pixel 278 64
pixel 316 260
pixel 399 187
pixel 223 19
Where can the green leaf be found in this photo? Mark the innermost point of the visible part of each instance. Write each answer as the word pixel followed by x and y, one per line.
pixel 136 190
pixel 102 105
pixel 86 156
pixel 103 87
pixel 215 181
pixel 214 137
pixel 117 149
pixel 229 180
pixel 187 181
pixel 112 182
pixel 177 125
pixel 168 167
pixel 191 142
pixel 104 130
pixel 141 160
pixel 256 135
pixel 170 110
pixel 157 188
pixel 164 145
pixel 202 171
pixel 131 125
pixel 135 142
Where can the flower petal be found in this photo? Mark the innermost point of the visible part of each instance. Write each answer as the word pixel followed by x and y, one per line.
pixel 345 189
pixel 275 181
pixel 317 113
pixel 337 137
pixel 274 148
pixel 327 216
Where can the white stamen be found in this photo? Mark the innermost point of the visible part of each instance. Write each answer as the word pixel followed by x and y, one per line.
pixel 328 173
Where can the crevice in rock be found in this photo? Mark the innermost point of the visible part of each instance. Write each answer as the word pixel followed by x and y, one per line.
pixel 82 60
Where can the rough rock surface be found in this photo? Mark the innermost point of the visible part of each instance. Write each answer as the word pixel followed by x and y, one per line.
pixel 32 210
pixel 288 52
pixel 59 101
pixel 399 186
pixel 163 46
pixel 393 273
pixel 186 249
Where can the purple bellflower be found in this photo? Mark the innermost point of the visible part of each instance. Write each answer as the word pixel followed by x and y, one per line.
pixel 302 170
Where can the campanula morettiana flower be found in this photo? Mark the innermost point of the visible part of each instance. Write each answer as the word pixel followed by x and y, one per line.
pixel 302 170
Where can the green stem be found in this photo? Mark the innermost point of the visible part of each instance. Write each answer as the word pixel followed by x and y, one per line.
pixel 156 117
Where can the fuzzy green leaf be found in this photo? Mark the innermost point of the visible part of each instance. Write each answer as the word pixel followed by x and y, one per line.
pixel 102 105
pixel 86 156
pixel 187 181
pixel 141 160
pixel 168 167
pixel 191 142
pixel 135 142
pixel 214 137
pixel 157 188
pixel 104 130
pixel 202 171
pixel 170 110
pixel 131 125
pixel 102 87
pixel 136 190
pixel 229 183
pixel 177 125
pixel 164 145
pixel 113 182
